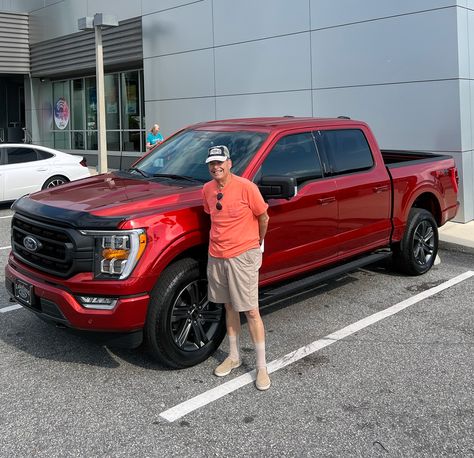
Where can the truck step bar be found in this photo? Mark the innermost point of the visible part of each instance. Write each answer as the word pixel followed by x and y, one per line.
pixel 270 295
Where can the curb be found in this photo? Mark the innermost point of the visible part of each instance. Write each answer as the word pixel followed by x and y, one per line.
pixel 450 246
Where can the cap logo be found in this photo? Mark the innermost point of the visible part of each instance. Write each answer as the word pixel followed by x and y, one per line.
pixel 218 153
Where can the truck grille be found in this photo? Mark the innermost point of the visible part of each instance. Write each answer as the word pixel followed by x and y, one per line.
pixel 57 251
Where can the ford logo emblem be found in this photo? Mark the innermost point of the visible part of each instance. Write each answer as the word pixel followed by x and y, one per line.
pixel 31 244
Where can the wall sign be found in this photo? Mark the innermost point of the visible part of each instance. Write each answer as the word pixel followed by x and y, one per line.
pixel 61 113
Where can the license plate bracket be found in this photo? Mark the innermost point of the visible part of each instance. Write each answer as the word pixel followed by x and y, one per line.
pixel 23 292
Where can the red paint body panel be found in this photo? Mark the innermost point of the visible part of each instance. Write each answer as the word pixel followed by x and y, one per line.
pixel 329 220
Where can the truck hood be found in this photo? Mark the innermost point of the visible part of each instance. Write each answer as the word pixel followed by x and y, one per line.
pixel 106 200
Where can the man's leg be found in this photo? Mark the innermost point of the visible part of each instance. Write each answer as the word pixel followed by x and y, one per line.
pixel 257 333
pixel 232 319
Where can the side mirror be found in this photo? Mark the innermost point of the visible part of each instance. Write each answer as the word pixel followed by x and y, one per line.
pixel 277 187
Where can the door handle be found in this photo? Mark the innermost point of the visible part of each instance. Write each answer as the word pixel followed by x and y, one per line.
pixel 41 169
pixel 326 200
pixel 381 188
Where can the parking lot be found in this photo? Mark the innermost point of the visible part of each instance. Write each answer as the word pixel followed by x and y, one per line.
pixel 368 364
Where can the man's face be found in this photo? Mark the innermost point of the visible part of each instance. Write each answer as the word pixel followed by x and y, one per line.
pixel 220 170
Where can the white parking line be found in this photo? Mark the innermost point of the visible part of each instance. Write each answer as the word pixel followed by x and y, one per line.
pixel 203 399
pixel 8 216
pixel 5 247
pixel 10 308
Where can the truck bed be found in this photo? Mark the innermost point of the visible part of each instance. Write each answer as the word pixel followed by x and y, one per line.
pixel 394 158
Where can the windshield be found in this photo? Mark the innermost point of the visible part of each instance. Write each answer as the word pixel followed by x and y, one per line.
pixel 185 153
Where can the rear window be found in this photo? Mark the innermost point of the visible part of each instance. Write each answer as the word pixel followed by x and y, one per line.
pixel 346 150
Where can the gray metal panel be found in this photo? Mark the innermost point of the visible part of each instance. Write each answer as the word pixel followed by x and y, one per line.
pixel 250 20
pixel 384 51
pixel 75 54
pixel 171 77
pixel 324 13
pixel 173 115
pixel 152 6
pixel 186 28
pixel 417 116
pixel 14 50
pixel 295 103
pixel 275 64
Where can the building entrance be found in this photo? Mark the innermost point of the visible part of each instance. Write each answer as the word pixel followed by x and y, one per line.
pixel 12 108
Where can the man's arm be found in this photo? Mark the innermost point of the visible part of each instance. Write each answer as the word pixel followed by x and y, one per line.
pixel 262 225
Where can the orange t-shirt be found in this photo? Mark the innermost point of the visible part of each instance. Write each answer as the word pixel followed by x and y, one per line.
pixel 234 229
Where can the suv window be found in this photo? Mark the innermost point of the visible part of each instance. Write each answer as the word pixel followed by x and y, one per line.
pixel 346 150
pixel 293 155
pixel 18 155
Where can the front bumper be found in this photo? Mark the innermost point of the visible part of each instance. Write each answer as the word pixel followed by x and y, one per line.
pixel 55 303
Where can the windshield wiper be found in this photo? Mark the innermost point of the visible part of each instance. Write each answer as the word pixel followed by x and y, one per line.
pixel 177 177
pixel 141 172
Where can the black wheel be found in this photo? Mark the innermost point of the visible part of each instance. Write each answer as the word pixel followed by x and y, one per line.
pixel 55 180
pixel 183 328
pixel 418 249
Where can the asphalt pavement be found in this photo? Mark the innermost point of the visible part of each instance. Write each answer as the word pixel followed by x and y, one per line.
pixel 385 370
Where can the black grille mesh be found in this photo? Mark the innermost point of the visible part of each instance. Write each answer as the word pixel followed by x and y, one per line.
pixel 61 252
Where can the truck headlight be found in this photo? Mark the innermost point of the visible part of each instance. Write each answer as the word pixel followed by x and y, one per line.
pixel 117 252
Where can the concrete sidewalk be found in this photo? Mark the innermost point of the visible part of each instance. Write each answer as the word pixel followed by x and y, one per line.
pixel 457 236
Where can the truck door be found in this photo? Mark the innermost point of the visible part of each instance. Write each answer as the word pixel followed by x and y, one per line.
pixel 363 190
pixel 302 231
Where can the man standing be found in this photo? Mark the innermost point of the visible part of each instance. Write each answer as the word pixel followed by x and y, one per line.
pixel 239 222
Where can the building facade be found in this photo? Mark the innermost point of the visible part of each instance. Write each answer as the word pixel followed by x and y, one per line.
pixel 404 67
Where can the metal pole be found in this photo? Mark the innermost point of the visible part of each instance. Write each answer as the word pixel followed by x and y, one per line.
pixel 100 85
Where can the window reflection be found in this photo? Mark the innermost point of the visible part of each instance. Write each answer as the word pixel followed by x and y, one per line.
pixel 124 110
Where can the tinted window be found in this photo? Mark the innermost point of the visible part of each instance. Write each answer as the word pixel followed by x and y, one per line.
pixel 18 155
pixel 346 150
pixel 43 154
pixel 293 155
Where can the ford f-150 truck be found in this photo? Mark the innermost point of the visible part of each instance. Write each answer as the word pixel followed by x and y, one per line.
pixel 124 253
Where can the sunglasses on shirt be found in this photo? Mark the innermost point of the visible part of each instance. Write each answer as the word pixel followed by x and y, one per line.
pixel 219 196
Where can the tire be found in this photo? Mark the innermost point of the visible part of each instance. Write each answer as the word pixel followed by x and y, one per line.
pixel 183 328
pixel 55 180
pixel 417 251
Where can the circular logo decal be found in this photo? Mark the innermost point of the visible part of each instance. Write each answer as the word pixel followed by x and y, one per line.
pixel 31 244
pixel 61 113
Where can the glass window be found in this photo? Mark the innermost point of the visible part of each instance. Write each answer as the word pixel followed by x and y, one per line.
pixel 186 152
pixel 113 140
pixel 78 140
pixel 19 155
pixel 61 105
pixel 124 110
pixel 112 103
pixel 293 155
pixel 77 104
pixel 91 104
pixel 130 101
pixel 62 140
pixel 92 140
pixel 131 140
pixel 347 150
pixel 43 154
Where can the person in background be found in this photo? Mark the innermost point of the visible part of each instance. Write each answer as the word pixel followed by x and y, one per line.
pixel 239 223
pixel 153 137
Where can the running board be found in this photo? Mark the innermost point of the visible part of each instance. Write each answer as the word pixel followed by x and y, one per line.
pixel 267 296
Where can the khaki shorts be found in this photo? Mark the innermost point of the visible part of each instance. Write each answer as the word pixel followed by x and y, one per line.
pixel 235 280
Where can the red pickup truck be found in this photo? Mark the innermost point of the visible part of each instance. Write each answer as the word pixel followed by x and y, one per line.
pixel 124 253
